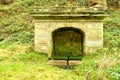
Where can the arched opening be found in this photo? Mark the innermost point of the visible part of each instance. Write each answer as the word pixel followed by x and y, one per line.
pixel 67 41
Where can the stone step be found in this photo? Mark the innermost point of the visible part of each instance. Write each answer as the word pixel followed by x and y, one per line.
pixel 64 62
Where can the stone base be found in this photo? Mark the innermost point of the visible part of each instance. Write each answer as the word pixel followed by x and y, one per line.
pixel 63 62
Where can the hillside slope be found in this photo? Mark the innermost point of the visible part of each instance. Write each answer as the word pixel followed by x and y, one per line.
pixel 18 61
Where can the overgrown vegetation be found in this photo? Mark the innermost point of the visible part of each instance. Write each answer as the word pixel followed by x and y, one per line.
pixel 19 62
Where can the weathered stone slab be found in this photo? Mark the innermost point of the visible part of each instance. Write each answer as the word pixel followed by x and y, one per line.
pixel 64 62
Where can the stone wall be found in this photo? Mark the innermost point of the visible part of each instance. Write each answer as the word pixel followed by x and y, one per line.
pixel 92 28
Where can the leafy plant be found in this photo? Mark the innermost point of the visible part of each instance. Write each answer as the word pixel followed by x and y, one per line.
pixel 115 72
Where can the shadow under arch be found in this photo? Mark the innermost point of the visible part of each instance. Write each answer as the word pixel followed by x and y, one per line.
pixel 68 41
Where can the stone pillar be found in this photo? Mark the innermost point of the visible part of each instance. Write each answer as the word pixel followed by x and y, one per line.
pixel 94 37
pixel 42 38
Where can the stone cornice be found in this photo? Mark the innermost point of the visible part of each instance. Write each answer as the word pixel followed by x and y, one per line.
pixel 73 16
pixel 64 13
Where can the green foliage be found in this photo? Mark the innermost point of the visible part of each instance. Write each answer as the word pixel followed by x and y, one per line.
pixel 112 33
pixel 115 72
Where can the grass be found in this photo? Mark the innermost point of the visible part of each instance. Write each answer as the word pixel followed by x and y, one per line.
pixel 17 64
pixel 32 66
pixel 18 61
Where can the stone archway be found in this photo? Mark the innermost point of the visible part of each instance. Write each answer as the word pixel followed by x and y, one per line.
pixel 67 41
pixel 89 23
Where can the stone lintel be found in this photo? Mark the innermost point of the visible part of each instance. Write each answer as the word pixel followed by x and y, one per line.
pixel 69 16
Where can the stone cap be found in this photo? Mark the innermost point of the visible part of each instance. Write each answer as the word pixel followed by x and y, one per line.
pixel 68 13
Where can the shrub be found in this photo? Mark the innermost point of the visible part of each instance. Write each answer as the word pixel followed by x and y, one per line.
pixel 115 72
pixel 6 1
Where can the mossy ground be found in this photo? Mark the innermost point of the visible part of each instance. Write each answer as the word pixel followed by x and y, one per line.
pixel 19 62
